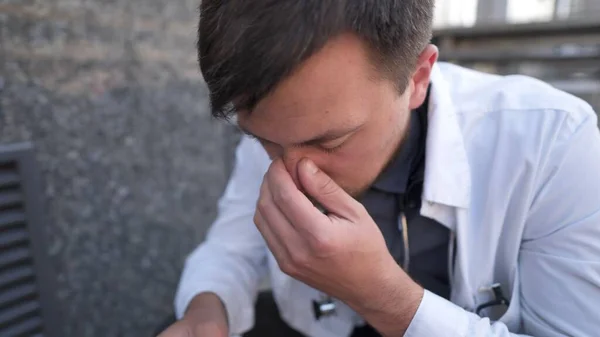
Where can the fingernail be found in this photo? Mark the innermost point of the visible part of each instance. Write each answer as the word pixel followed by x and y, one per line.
pixel 312 168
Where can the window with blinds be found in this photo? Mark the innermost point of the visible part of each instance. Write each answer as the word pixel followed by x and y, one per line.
pixel 26 291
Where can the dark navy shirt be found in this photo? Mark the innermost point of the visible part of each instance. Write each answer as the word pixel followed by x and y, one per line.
pixel 398 191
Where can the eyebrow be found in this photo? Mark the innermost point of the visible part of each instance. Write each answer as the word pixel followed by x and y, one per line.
pixel 325 137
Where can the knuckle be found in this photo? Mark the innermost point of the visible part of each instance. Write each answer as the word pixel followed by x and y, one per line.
pixel 282 196
pixel 287 267
pixel 300 260
pixel 263 185
pixel 262 205
pixel 323 244
pixel 256 218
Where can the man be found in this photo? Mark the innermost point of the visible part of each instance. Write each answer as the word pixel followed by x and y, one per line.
pixel 386 192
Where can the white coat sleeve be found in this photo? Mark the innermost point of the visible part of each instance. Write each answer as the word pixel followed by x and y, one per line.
pixel 559 264
pixel 232 261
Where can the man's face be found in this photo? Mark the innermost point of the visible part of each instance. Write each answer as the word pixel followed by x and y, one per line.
pixel 336 111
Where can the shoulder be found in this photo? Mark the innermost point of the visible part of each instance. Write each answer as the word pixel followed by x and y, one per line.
pixel 516 103
pixel 251 154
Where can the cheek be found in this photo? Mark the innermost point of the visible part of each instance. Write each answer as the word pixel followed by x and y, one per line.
pixel 355 167
pixel 358 165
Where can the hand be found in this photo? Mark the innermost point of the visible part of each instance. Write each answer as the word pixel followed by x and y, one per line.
pixel 185 328
pixel 205 317
pixel 342 254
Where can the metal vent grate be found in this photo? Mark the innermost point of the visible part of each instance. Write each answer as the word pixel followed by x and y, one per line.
pixel 25 288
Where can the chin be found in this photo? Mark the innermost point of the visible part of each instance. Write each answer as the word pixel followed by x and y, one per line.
pixel 357 192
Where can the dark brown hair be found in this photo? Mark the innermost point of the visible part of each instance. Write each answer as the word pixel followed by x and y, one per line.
pixel 247 47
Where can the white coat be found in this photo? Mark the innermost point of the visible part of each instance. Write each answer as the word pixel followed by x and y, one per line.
pixel 512 169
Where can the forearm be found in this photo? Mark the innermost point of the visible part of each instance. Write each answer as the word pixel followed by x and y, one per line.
pixel 207 310
pixel 438 317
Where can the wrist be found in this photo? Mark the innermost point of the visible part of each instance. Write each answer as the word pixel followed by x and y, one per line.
pixel 207 310
pixel 394 304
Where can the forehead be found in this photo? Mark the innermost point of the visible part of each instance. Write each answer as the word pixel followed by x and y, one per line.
pixel 335 87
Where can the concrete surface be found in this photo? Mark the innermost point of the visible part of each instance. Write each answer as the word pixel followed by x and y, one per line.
pixel 110 94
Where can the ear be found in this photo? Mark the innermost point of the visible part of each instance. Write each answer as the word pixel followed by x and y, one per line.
pixel 419 82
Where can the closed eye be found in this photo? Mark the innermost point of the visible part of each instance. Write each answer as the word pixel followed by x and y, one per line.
pixel 331 149
pixel 328 143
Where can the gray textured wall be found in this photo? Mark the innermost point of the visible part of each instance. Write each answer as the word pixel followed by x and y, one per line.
pixel 109 93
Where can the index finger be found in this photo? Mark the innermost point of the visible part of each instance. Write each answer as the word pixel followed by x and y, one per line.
pixel 296 206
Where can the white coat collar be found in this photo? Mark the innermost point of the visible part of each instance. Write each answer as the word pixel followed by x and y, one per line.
pixel 447 172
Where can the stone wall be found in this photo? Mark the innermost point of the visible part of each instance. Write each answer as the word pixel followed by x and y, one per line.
pixel 109 93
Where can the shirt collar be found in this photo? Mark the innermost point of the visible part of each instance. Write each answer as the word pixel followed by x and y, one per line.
pixel 447 172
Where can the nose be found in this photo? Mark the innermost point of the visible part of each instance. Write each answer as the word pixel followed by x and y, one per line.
pixel 290 157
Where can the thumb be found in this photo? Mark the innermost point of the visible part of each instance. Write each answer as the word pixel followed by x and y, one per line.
pixel 318 185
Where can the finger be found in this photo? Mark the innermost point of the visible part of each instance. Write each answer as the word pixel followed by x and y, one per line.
pixel 273 242
pixel 326 191
pixel 294 205
pixel 277 221
pixel 178 329
pixel 274 221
